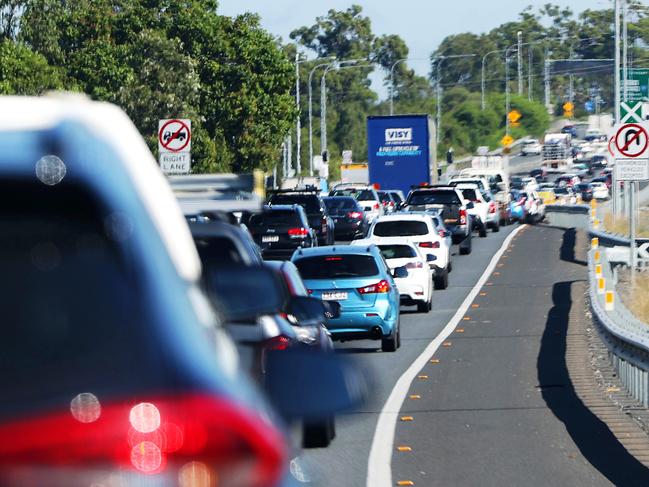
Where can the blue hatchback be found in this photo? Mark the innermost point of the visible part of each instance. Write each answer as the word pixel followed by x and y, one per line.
pixel 358 278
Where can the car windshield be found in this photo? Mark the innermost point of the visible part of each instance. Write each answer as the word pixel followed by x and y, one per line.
pixel 308 202
pixel 357 194
pixel 398 228
pixel 434 198
pixel 397 251
pixel 336 266
pixel 275 218
pixel 340 203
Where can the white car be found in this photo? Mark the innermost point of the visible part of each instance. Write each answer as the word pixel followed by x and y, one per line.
pixel 531 147
pixel 480 210
pixel 420 229
pixel 417 286
pixel 366 196
pixel 600 191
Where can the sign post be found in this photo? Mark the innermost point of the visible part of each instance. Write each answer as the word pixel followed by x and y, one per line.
pixel 174 145
pixel 631 149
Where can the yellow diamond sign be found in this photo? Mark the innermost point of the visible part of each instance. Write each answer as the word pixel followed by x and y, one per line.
pixel 507 140
pixel 568 106
pixel 514 116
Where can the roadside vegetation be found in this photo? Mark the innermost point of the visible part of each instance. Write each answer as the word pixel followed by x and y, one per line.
pixel 620 225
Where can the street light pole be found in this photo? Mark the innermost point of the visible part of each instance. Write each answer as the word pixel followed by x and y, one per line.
pixel 298 128
pixel 438 87
pixel 311 113
pixel 520 62
pixel 482 80
pixel 529 72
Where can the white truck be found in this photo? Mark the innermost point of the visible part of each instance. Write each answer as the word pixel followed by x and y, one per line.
pixel 556 155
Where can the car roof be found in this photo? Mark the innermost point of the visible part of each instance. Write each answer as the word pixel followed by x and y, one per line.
pixel 336 249
pixel 55 114
pixel 383 241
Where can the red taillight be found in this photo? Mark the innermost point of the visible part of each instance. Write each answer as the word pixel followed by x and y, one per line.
pixel 380 287
pixel 442 233
pixel 309 291
pixel 462 217
pixel 414 265
pixel 163 435
pixel 298 232
pixel 376 206
pixel 492 207
pixel 429 245
pixel 355 214
pixel 279 342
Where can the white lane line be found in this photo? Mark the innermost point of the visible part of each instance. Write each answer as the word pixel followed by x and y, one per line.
pixel 379 465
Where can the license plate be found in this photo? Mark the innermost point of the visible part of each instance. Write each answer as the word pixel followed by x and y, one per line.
pixel 270 238
pixel 450 220
pixel 334 296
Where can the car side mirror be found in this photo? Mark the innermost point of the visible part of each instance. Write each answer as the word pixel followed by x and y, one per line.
pixel 339 387
pixel 431 258
pixel 306 309
pixel 400 272
pixel 470 205
pixel 332 309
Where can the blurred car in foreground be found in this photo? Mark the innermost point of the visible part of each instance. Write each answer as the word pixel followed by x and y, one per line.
pixel 359 279
pixel 417 287
pixel 348 215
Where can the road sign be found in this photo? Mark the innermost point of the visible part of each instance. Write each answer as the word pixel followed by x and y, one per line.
pixel 175 162
pixel 174 135
pixel 631 169
pixel 637 91
pixel 643 250
pixel 514 116
pixel 568 106
pixel 507 140
pixel 632 141
pixel 347 157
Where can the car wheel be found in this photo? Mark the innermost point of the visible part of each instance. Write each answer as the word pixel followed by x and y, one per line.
pixel 449 266
pixel 318 435
pixel 482 231
pixel 496 227
pixel 441 280
pixel 391 343
pixel 423 307
pixel 465 248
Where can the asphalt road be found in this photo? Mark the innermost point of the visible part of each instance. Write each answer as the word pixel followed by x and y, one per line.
pixel 499 408
pixel 344 463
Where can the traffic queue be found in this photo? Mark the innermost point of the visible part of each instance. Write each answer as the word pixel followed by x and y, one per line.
pixel 163 330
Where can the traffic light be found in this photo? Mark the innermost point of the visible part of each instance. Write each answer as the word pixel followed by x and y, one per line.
pixel 325 156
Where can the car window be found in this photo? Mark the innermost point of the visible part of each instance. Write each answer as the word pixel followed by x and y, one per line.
pixel 384 197
pixel 309 202
pixel 397 251
pixel 218 252
pixel 339 203
pixel 337 266
pixel 396 197
pixel 273 218
pixel 397 228
pixel 434 198
pixel 471 195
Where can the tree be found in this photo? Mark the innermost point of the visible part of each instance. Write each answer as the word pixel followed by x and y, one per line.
pixel 25 72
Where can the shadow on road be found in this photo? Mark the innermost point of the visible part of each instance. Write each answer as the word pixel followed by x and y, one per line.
pixel 591 435
pixel 568 247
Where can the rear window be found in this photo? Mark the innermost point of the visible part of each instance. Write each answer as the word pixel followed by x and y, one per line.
pixel 340 204
pixel 218 252
pixel 359 195
pixel 470 194
pixel 434 198
pixel 384 197
pixel 275 218
pixel 337 266
pixel 397 251
pixel 310 203
pixel 400 228
pixel 396 197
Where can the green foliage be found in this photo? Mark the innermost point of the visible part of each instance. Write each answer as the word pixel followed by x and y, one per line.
pixel 25 72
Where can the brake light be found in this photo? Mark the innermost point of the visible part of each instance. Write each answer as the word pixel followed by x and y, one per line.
pixel 442 232
pixel 355 214
pixel 414 265
pixel 429 245
pixel 462 216
pixel 376 206
pixel 164 436
pixel 279 342
pixel 309 291
pixel 298 232
pixel 379 288
pixel 492 207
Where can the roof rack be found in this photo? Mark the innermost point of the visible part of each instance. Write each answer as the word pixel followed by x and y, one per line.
pixel 225 193
pixel 306 189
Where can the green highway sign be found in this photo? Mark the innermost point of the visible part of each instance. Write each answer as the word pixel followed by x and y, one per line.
pixel 636 105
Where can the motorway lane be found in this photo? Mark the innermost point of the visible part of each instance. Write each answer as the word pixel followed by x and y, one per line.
pixel 499 408
pixel 344 463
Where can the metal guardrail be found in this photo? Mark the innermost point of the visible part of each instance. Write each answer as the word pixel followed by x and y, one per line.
pixel 626 337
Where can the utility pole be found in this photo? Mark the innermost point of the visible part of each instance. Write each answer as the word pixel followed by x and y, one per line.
pixel 546 82
pixel 311 112
pixel 507 101
pixel 482 80
pixel 520 62
pixel 625 50
pixel 571 86
pixel 298 128
pixel 616 189
pixel 529 72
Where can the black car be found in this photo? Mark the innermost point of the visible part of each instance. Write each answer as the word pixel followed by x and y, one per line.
pixel 539 174
pixel 280 229
pixel 585 190
pixel 599 160
pixel 316 211
pixel 348 215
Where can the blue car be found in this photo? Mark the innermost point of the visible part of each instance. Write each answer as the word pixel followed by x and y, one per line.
pixel 358 278
pixel 517 207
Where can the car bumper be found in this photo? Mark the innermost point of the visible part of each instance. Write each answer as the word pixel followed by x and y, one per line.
pixel 348 229
pixel 411 291
pixel 362 323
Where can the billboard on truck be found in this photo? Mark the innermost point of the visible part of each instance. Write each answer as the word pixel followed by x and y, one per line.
pixel 401 151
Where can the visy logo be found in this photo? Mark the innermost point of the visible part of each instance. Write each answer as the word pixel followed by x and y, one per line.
pixel 398 135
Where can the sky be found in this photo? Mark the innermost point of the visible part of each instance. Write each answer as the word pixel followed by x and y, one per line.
pixel 423 24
